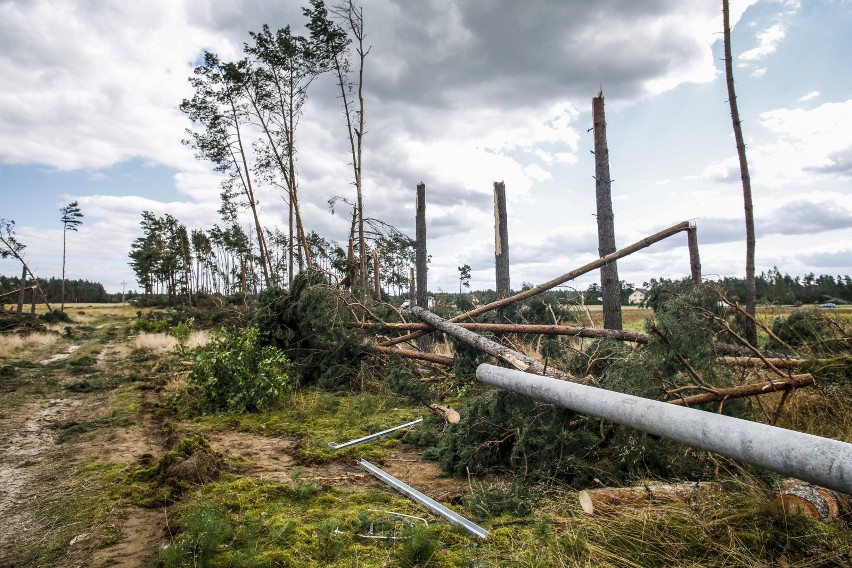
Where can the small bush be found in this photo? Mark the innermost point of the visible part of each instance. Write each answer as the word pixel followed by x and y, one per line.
pixel 234 373
pixel 56 316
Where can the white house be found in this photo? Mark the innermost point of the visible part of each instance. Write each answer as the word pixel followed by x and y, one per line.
pixel 637 296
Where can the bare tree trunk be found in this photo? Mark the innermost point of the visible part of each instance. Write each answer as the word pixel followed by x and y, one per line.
pixel 412 288
pixel 694 259
pixel 794 382
pixel 421 259
pixel 594 265
pixel 751 290
pixel 23 290
pixel 514 358
pixel 610 284
pixel 568 330
pixel 501 240
pixel 62 300
pixel 377 283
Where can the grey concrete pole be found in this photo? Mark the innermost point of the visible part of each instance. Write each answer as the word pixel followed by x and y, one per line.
pixel 822 461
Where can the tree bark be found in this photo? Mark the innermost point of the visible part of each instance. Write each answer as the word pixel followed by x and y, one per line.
pixel 608 498
pixel 377 283
pixel 23 290
pixel 751 290
pixel 694 258
pixel 639 245
pixel 610 284
pixel 514 358
pixel 796 497
pixel 501 240
pixel 794 382
pixel 421 259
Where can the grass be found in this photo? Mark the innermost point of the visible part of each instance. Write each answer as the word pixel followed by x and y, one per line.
pixel 164 342
pixel 13 345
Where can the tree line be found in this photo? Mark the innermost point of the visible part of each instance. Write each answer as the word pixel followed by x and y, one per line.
pixel 52 288
pixel 225 260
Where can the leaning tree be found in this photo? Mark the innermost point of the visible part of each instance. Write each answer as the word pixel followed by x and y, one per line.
pixel 70 218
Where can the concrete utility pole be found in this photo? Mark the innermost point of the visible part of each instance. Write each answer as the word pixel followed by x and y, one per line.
pixel 123 284
pixel 610 284
pixel 818 460
pixel 501 240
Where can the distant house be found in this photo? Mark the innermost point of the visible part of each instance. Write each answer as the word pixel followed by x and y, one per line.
pixel 637 296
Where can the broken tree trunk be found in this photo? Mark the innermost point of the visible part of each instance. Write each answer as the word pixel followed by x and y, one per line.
pixel 377 284
pixel 21 296
pixel 514 358
pixel 421 259
pixel 501 240
pixel 594 265
pixel 573 331
pixel 608 498
pixel 694 259
pixel 794 382
pixel 610 284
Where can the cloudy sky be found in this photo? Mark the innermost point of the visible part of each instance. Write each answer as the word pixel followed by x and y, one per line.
pixel 459 94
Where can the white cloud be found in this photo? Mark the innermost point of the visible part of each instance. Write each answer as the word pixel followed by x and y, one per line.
pixel 810 96
pixel 767 42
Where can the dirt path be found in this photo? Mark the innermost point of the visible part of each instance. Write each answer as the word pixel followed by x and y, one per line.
pixel 41 413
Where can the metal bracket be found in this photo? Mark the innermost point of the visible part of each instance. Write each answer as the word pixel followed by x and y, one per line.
pixel 423 500
pixel 376 436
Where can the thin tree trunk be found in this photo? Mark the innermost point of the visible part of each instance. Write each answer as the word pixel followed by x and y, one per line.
pixel 694 259
pixel 501 241
pixel 64 235
pixel 568 330
pixel 610 284
pixel 23 290
pixel 751 290
pixel 594 265
pixel 514 358
pixel 794 382
pixel 377 283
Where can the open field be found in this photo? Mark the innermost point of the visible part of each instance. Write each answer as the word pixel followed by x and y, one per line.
pixel 101 467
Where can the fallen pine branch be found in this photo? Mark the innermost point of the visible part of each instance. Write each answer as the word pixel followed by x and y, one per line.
pixel 794 382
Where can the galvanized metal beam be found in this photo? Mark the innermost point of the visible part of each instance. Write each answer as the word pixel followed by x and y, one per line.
pixel 376 436
pixel 422 499
pixel 822 461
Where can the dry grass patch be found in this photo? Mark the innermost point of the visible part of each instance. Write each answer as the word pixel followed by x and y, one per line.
pixel 13 344
pixel 164 343
pixel 156 342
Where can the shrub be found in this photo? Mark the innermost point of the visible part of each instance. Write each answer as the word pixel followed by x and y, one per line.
pixel 801 327
pixel 235 373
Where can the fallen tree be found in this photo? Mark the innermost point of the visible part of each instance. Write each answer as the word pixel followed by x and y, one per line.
pixel 573 331
pixel 514 358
